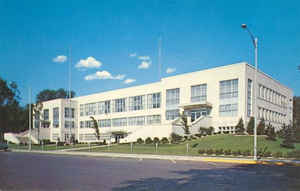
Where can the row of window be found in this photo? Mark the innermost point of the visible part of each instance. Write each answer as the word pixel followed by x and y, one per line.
pixel 135 103
pixel 119 122
pixel 271 96
pixel 270 115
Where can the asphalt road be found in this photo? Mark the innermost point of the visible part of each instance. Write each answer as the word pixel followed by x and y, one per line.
pixel 27 171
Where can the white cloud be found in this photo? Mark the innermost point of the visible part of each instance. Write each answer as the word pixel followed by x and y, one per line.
pixel 144 58
pixel 129 81
pixel 170 70
pixel 89 62
pixel 144 65
pixel 132 55
pixel 104 75
pixel 60 58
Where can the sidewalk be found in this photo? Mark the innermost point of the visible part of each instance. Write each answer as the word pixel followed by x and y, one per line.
pixel 169 157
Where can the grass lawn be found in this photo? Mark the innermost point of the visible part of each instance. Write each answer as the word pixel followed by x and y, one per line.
pixel 46 147
pixel 214 142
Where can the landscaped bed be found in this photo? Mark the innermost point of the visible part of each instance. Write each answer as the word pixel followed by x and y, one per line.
pixel 230 145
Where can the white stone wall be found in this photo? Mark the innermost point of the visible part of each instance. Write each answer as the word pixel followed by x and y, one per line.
pixel 211 77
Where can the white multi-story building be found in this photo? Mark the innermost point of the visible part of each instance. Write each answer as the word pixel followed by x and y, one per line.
pixel 216 97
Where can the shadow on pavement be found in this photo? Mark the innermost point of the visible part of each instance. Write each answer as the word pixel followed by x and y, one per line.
pixel 240 177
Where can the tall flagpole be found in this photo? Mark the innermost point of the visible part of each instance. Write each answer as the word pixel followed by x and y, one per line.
pixel 69 96
pixel 159 58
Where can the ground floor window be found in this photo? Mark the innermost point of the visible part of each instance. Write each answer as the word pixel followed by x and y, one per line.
pixel 172 114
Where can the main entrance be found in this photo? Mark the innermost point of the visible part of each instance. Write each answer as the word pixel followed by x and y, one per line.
pixel 195 114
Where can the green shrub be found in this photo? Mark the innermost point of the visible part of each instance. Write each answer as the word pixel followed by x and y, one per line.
pixel 247 153
pixel 148 140
pixel 175 138
pixel 140 141
pixel 239 152
pixel 219 151
pixel 270 132
pixel 239 128
pixel 201 151
pixel 267 154
pixel 156 140
pixel 46 141
pixel 294 154
pixel 261 127
pixel 209 151
pixel 227 152
pixel 164 140
pixel 235 153
pixel 250 126
pixel 277 154
pixel 195 145
pixel 288 136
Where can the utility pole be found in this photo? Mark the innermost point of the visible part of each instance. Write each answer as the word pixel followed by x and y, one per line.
pixel 159 57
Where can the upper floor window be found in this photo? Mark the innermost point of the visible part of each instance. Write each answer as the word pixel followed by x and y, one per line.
pixel 56 117
pixel 154 100
pixel 172 97
pixel 198 93
pixel 249 97
pixel 228 89
pixel 69 112
pixel 46 114
pixel 136 103
pixel 120 105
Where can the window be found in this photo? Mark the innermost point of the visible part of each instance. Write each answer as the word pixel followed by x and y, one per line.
pixel 69 124
pixel 56 117
pixel 46 114
pixel 107 107
pixel 172 114
pixel 120 105
pixel 228 89
pixel 249 97
pixel 81 124
pixel 104 123
pixel 172 98
pixel 198 93
pixel 228 110
pixel 153 100
pixel 69 112
pixel 136 103
pixel 153 119
pixel 136 121
pixel 119 122
pixel 81 110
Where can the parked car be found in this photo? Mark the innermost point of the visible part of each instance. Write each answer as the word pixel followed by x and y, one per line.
pixel 3 146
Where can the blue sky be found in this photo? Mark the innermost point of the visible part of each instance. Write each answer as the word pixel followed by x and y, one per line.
pixel 113 42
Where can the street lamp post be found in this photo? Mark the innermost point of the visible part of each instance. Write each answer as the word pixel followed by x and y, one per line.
pixel 255 42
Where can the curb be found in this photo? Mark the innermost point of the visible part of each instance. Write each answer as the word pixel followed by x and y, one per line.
pixel 171 157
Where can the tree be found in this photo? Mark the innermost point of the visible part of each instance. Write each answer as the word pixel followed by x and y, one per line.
pixel 47 94
pixel 288 141
pixel 250 126
pixel 183 123
pixel 9 106
pixel 261 127
pixel 296 110
pixel 239 128
pixel 95 126
pixel 270 132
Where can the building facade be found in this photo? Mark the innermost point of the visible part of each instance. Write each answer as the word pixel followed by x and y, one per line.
pixel 216 97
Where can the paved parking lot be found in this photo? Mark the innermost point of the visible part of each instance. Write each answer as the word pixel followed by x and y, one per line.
pixel 27 171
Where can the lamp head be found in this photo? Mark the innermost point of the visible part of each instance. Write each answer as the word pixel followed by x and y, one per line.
pixel 244 26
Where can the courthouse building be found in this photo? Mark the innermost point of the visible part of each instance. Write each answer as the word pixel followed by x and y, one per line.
pixel 216 97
